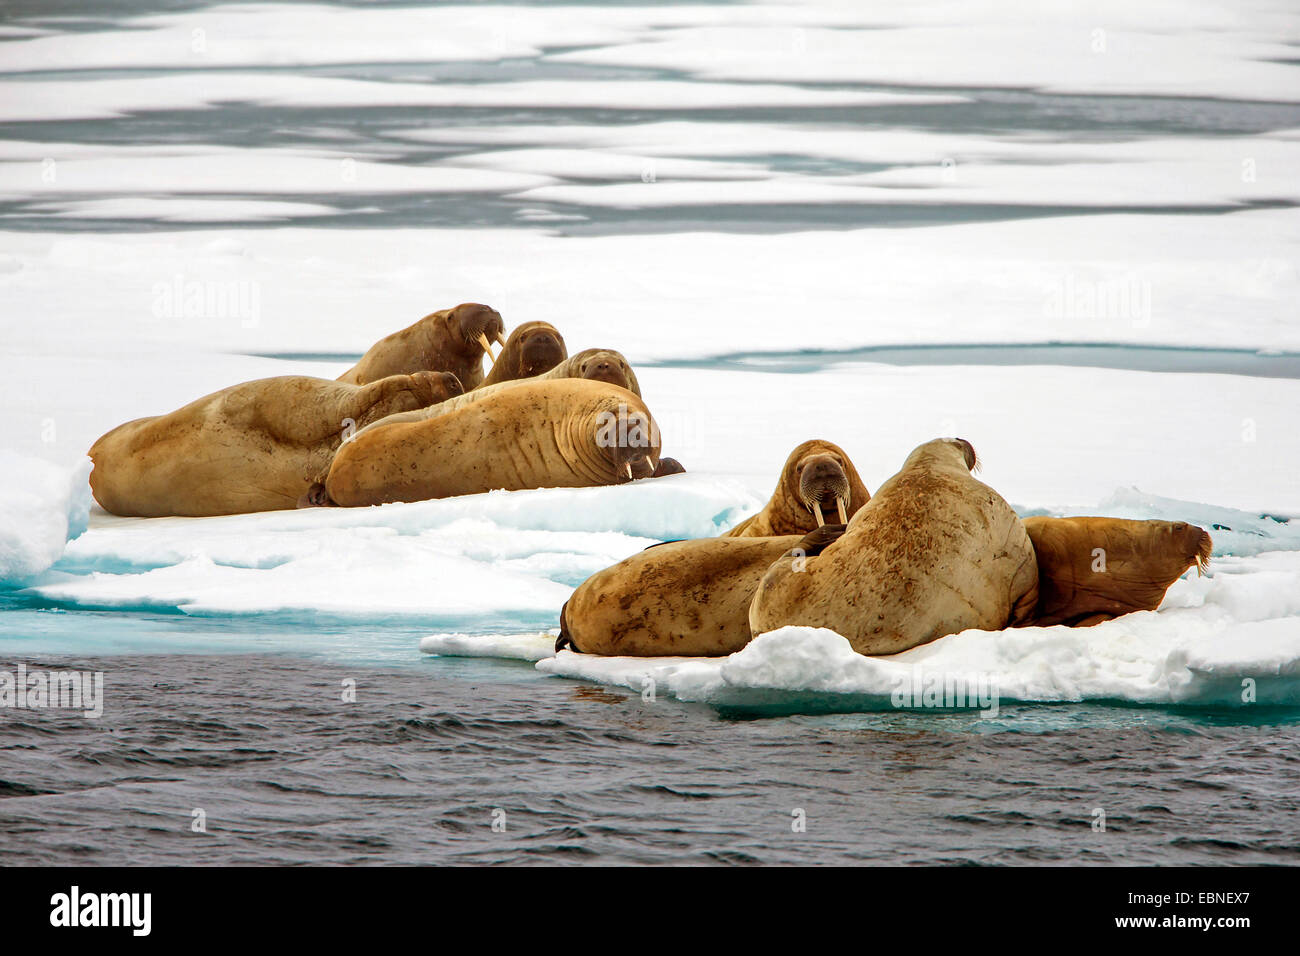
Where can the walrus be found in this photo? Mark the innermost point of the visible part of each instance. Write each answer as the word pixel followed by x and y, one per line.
pixel 1093 569
pixel 933 553
pixel 251 447
pixel 818 485
pixel 453 340
pixel 531 349
pixel 681 598
pixel 598 365
pixel 565 433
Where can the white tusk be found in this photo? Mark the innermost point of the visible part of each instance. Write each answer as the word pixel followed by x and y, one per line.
pixel 628 465
pixel 844 514
pixel 817 510
pixel 487 347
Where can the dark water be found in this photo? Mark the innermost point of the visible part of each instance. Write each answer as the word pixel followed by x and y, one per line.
pixel 415 770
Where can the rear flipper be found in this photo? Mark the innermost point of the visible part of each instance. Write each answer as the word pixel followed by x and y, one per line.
pixel 565 639
pixel 317 497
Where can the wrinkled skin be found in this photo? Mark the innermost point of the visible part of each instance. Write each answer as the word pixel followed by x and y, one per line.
pixel 592 364
pixel 552 434
pixel 1094 569
pixel 934 552
pixel 251 447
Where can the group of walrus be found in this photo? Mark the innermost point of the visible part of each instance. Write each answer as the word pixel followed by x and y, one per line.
pixel 935 551
pixel 414 419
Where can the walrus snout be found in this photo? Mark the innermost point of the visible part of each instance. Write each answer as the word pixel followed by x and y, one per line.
pixel 822 481
pixel 606 370
pixel 968 452
pixel 1200 545
pixel 631 462
pixel 479 325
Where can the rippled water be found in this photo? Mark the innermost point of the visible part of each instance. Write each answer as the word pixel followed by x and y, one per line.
pixel 421 765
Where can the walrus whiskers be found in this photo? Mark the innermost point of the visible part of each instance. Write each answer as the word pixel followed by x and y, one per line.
pixel 1203 553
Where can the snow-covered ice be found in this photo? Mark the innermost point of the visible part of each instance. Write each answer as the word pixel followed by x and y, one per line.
pixel 42 506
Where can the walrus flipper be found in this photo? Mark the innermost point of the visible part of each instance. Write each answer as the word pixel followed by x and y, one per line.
pixel 566 639
pixel 317 497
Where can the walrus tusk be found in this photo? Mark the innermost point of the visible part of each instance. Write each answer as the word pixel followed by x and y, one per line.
pixel 628 466
pixel 844 514
pixel 817 512
pixel 500 339
pixel 487 347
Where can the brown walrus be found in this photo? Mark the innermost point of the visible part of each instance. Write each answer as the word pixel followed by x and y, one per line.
pixel 818 485
pixel 533 348
pixel 453 340
pixel 933 553
pixel 250 447
pixel 566 433
pixel 682 598
pixel 598 365
pixel 1093 569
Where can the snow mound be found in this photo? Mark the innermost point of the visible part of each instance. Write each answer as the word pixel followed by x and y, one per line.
pixel 42 507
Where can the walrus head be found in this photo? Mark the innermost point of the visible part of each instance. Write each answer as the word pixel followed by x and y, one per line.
pixel 606 365
pixel 628 441
pixel 1195 544
pixel 434 387
pixel 946 453
pixel 824 488
pixel 967 453
pixel 476 327
pixel 818 480
pixel 533 348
